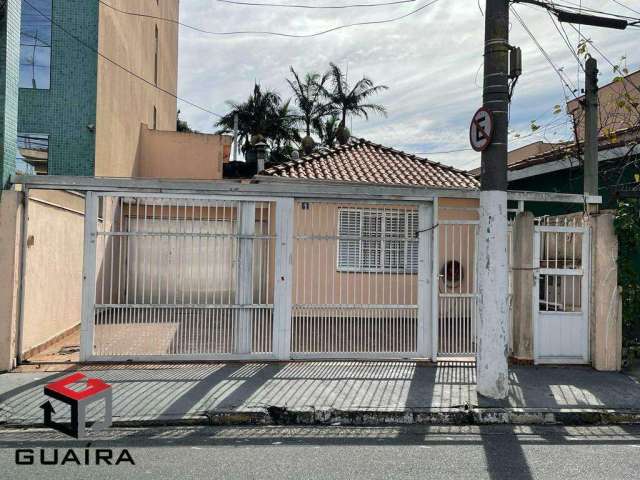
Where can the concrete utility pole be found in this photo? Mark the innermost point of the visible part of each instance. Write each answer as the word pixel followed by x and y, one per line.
pixel 591 129
pixel 491 364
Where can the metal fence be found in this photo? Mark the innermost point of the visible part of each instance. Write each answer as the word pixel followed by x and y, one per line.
pixel 355 280
pixel 183 276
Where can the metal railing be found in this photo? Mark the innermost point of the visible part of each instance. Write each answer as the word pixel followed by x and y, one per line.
pixel 183 276
pixel 355 280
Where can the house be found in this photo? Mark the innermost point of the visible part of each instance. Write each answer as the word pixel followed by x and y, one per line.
pixel 359 251
pixel 86 90
pixel 549 167
pixel 94 88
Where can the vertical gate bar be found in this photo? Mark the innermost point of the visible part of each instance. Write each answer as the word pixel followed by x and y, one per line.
pixel 88 276
pixel 435 302
pixel 244 279
pixel 585 286
pixel 536 292
pixel 283 290
pixel 425 290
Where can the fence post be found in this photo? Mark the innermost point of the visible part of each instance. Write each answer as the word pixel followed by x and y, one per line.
pixel 606 324
pixel 244 286
pixel 523 285
pixel 283 280
pixel 89 276
pixel 425 278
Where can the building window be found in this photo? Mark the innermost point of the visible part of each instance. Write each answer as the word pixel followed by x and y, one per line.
pixel 35 44
pixel 377 240
pixel 155 61
pixel 154 120
pixel 33 154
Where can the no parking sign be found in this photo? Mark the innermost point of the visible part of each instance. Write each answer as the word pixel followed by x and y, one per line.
pixel 481 130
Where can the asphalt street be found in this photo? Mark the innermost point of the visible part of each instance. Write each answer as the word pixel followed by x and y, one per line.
pixel 608 452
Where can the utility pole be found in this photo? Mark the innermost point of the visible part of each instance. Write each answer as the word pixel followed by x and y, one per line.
pixel 591 130
pixel 491 365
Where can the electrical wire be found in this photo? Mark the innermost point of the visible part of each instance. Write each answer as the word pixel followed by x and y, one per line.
pixel 122 67
pixel 564 81
pixel 625 6
pixel 565 39
pixel 266 32
pixel 316 7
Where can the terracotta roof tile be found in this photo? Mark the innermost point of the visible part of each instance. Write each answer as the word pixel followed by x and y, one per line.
pixel 363 161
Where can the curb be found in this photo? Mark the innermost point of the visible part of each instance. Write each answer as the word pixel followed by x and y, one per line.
pixel 379 417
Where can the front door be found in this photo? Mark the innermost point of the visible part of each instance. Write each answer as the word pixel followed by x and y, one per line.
pixel 561 293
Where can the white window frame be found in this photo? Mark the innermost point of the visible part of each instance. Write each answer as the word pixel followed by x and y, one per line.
pixel 410 261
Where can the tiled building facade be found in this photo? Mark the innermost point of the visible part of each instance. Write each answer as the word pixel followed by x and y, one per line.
pixel 9 58
pixel 66 111
pixel 73 101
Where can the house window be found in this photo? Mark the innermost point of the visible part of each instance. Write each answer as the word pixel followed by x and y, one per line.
pixel 377 240
pixel 33 153
pixel 35 45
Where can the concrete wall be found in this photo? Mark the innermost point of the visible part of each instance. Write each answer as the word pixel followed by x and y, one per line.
pixel 124 102
pixel 606 321
pixel 52 280
pixel 53 275
pixel 523 281
pixel 10 214
pixel 179 155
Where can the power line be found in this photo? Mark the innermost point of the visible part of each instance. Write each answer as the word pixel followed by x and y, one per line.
pixel 571 6
pixel 443 152
pixel 625 6
pixel 317 7
pixel 113 62
pixel 266 32
pixel 564 81
pixel 565 38
pixel 595 47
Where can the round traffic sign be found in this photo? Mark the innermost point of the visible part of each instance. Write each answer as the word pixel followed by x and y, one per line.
pixel 481 130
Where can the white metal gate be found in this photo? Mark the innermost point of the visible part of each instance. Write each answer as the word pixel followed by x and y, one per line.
pixel 457 288
pixel 188 277
pixel 208 277
pixel 561 290
pixel 361 280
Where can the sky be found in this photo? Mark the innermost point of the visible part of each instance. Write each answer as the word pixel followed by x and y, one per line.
pixel 431 61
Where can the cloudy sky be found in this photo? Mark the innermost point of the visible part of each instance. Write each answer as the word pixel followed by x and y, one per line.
pixel 430 60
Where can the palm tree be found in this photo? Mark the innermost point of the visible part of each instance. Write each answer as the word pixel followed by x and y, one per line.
pixel 282 132
pixel 347 100
pixel 327 130
pixel 308 94
pixel 255 117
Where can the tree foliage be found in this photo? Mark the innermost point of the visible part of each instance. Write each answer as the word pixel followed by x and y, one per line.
pixel 323 103
pixel 627 225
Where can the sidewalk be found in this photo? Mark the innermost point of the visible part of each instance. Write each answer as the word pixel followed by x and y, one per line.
pixel 348 393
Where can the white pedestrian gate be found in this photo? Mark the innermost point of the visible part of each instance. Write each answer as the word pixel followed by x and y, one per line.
pixel 561 291
pixel 457 288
